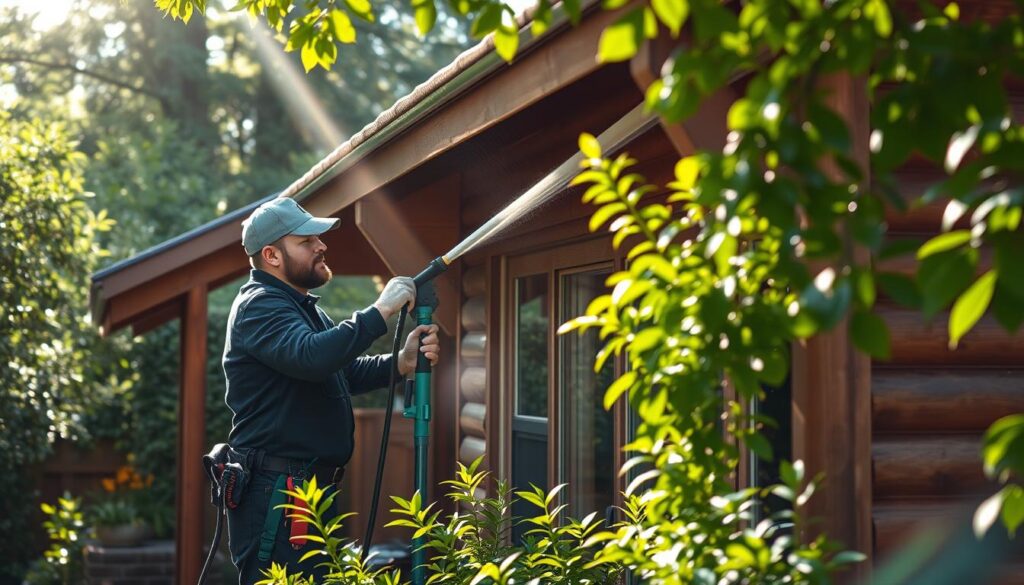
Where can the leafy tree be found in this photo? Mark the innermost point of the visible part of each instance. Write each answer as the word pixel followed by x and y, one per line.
pixel 54 364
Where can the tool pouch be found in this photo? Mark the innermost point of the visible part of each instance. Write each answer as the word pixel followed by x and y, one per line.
pixel 228 473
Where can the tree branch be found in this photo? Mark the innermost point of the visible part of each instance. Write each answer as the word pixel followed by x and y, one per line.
pixel 19 59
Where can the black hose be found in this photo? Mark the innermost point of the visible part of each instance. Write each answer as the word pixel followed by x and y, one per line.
pixel 216 541
pixel 386 433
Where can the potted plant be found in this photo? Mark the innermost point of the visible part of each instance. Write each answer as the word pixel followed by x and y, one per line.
pixel 115 515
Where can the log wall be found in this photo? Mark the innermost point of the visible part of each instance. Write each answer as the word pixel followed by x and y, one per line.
pixel 472 402
pixel 931 406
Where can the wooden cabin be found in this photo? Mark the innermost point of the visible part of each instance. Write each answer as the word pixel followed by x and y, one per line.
pixel 898 441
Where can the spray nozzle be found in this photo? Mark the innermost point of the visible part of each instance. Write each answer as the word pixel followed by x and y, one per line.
pixel 436 266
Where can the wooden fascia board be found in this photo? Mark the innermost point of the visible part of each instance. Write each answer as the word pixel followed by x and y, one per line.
pixel 551 66
pixel 151 268
pixel 133 304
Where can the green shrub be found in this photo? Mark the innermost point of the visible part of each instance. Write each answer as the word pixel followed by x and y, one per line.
pixel 466 547
pixel 62 562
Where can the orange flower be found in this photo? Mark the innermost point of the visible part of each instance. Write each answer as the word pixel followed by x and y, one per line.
pixel 124 474
pixel 149 480
pixel 109 485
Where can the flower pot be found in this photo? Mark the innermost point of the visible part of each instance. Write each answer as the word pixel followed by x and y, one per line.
pixel 123 535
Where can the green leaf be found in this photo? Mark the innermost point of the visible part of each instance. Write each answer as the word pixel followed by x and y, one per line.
pixel 672 13
pixel 987 513
pixel 621 40
pixel 944 242
pixel 900 288
pixel 488 20
pixel 687 170
pixel 309 57
pixel 1010 264
pixel 941 277
pixel 1007 308
pixel 605 213
pixel 970 307
pixel 589 146
pixel 959 144
pixel 506 42
pixel 759 445
pixel 361 8
pixel 343 28
pixel 864 287
pixel 1013 508
pixel 878 12
pixel 831 127
pixel 618 387
pixel 425 15
pixel 870 334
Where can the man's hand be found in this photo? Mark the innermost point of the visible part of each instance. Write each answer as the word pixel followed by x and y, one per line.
pixel 431 348
pixel 398 291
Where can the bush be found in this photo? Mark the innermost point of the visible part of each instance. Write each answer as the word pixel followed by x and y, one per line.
pixel 62 562
pixel 465 547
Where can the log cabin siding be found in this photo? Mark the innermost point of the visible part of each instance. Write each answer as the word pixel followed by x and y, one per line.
pixel 931 405
pixel 472 401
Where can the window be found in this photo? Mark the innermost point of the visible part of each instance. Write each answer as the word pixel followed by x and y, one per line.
pixel 588 456
pixel 558 430
pixel 529 426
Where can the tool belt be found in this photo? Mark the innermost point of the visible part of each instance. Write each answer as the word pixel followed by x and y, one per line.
pixel 299 469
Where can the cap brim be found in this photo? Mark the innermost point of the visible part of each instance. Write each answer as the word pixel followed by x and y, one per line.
pixel 315 226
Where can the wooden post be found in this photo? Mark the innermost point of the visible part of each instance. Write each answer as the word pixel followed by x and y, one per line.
pixel 832 387
pixel 191 438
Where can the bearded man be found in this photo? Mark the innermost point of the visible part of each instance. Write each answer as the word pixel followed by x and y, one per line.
pixel 291 373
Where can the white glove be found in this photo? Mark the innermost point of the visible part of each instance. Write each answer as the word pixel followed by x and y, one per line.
pixel 398 291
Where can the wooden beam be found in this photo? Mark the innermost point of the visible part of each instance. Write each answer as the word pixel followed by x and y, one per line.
pixel 832 389
pixel 191 439
pixel 402 241
pixel 706 129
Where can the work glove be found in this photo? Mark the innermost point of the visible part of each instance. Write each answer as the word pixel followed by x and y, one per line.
pixel 398 291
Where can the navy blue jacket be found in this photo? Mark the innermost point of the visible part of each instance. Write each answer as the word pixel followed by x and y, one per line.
pixel 291 372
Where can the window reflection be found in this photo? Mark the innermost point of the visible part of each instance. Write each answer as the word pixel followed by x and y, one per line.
pixel 531 355
pixel 587 428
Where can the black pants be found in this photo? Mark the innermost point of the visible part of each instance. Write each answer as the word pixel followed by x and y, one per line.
pixel 245 527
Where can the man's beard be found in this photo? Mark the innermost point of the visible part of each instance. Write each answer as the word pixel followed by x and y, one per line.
pixel 305 277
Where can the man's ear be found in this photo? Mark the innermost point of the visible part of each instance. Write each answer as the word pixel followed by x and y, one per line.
pixel 271 256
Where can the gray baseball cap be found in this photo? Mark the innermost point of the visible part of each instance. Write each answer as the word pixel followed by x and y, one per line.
pixel 278 218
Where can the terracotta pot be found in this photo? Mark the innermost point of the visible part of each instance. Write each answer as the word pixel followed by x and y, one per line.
pixel 123 535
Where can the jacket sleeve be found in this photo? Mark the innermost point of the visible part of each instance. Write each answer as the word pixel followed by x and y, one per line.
pixel 274 331
pixel 369 373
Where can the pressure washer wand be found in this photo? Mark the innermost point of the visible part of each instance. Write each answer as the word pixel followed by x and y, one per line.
pixel 417 407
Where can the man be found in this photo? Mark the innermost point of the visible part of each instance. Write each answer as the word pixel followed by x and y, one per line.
pixel 290 376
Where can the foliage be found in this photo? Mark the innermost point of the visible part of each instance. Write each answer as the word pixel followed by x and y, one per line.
pixel 688 314
pixel 1003 453
pixel 472 547
pixel 316 30
pixel 62 562
pixel 55 366
pixel 342 560
pixel 466 547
